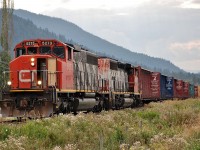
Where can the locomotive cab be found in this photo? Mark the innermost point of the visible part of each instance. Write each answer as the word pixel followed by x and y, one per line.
pixel 33 66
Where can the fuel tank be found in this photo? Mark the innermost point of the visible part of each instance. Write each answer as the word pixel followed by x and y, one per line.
pixel 86 103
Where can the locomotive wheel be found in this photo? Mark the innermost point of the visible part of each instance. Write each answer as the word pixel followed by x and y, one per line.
pixel 75 106
pixel 140 103
pixel 97 108
pixel 106 104
pixel 136 103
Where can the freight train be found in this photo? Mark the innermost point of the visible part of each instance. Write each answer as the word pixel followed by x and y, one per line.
pixel 48 76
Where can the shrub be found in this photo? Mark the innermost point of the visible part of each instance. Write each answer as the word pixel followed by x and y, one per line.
pixel 149 115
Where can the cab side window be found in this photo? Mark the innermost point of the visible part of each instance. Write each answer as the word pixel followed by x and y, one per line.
pixel 69 53
pixel 59 52
pixel 20 51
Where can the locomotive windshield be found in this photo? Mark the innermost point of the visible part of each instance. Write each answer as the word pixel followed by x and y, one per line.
pixel 20 51
pixel 45 50
pixel 32 50
pixel 59 52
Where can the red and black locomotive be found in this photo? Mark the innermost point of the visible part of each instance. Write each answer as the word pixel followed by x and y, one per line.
pixel 48 76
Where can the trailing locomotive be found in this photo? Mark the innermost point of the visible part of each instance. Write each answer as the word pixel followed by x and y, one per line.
pixel 48 76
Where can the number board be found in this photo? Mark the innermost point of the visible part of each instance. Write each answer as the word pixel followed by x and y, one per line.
pixel 45 43
pixel 30 43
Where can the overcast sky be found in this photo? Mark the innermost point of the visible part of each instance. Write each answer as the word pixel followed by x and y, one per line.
pixel 168 29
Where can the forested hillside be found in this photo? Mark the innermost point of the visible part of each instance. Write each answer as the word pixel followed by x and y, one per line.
pixel 25 29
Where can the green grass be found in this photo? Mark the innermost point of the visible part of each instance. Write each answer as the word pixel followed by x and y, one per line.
pixel 168 125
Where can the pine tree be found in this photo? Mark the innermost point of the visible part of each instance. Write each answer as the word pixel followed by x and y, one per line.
pixel 7 31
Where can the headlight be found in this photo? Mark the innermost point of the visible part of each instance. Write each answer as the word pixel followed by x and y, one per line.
pixel 32 59
pixel 39 82
pixel 32 64
pixel 9 83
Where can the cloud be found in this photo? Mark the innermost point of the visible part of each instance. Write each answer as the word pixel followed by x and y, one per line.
pixel 195 4
pixel 170 3
pixel 185 52
pixel 64 1
pixel 189 65
pixel 189 46
pixel 196 1
pixel 122 14
pixel 105 5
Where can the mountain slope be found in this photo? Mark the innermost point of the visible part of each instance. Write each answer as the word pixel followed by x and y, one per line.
pixel 75 33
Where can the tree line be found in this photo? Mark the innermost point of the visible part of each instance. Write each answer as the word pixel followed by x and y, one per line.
pixel 7 31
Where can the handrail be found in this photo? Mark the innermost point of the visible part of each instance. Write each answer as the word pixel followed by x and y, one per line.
pixel 35 71
pixel 32 76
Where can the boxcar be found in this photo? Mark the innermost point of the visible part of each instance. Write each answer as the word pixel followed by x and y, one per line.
pixel 178 89
pixel 198 91
pixel 166 87
pixel 195 91
pixel 185 90
pixel 148 83
pixel 191 91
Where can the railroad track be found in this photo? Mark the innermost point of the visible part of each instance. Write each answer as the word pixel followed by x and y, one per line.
pixel 11 120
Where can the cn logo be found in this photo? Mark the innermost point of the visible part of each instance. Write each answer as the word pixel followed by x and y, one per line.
pixel 155 78
pixel 179 86
pixel 26 76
